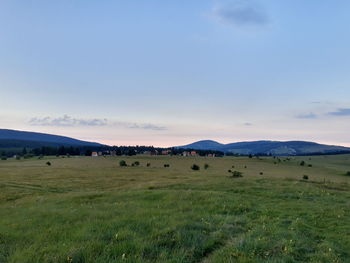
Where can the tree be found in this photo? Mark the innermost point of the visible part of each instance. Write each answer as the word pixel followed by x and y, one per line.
pixel 24 151
pixel 122 163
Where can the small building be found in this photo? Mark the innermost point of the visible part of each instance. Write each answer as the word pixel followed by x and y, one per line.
pixel 166 152
pixel 94 154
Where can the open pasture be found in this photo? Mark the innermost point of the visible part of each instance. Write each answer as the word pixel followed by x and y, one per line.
pixel 84 209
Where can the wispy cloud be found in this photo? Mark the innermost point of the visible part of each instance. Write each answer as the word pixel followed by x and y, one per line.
pixel 144 126
pixel 68 121
pixel 307 116
pixel 240 13
pixel 248 124
pixel 340 112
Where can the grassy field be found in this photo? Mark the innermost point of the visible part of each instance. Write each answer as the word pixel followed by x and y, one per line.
pixel 91 210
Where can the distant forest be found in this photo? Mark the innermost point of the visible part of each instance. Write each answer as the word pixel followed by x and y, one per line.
pixel 105 150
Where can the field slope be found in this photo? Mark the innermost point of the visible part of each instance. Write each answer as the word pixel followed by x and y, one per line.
pixel 91 210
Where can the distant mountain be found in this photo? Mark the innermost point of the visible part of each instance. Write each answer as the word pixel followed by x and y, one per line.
pixel 19 139
pixel 268 147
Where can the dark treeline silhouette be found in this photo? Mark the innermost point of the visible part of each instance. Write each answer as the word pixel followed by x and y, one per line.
pixel 105 150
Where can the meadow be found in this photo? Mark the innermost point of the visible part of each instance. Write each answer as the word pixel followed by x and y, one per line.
pixel 89 209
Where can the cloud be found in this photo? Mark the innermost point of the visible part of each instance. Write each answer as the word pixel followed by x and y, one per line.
pixel 68 121
pixel 307 116
pixel 240 13
pixel 248 124
pixel 144 126
pixel 340 112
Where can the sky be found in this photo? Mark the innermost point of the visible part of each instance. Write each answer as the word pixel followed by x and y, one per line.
pixel 165 73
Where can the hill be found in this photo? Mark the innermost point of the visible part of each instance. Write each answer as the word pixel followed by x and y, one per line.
pixel 268 147
pixel 13 139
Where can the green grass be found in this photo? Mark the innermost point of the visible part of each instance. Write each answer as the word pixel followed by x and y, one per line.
pixel 91 210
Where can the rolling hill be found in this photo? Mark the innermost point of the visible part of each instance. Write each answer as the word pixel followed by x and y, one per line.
pixel 13 139
pixel 268 147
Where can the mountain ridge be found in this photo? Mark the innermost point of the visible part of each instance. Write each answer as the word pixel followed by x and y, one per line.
pixel 267 147
pixel 16 138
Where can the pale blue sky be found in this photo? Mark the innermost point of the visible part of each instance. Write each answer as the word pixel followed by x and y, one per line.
pixel 171 72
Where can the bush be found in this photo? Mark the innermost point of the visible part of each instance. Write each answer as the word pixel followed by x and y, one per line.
pixel 166 165
pixel 305 177
pixel 137 163
pixel 206 166
pixel 18 157
pixel 148 164
pixel 195 167
pixel 48 163
pixel 261 173
pixel 122 163
pixel 237 174
pixel 348 173
pixel 310 165
pixel 3 158
pixel 302 163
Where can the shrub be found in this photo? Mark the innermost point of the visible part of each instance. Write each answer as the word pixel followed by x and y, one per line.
pixel 18 157
pixel 302 163
pixel 148 164
pixel 348 173
pixel 261 173
pixel 122 163
pixel 206 166
pixel 195 167
pixel 245 167
pixel 310 165
pixel 229 171
pixel 305 177
pixel 237 174
pixel 48 163
pixel 166 165
pixel 137 163
pixel 4 158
